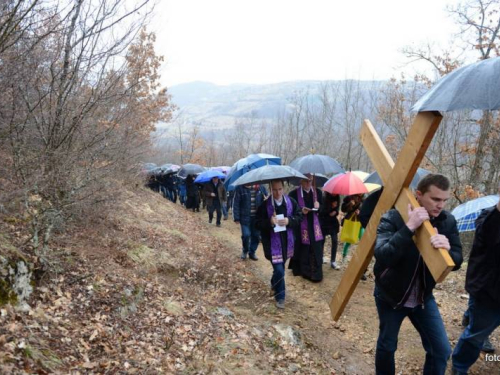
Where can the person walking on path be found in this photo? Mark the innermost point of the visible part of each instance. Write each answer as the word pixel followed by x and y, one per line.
pixel 182 191
pixel 246 201
pixel 215 196
pixel 193 194
pixel 328 216
pixel 351 206
pixel 276 218
pixel 404 284
pixel 307 259
pixel 483 284
pixel 365 213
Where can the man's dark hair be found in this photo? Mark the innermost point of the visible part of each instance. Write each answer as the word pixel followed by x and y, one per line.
pixel 438 180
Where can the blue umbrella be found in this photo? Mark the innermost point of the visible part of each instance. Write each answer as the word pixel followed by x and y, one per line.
pixel 467 213
pixel 207 176
pixel 245 165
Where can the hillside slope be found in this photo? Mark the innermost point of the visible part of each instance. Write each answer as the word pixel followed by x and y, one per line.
pixel 156 289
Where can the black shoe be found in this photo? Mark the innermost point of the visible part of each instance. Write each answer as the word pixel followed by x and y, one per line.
pixel 209 221
pixel 253 257
pixel 243 255
pixel 465 321
pixel 217 225
pixel 487 346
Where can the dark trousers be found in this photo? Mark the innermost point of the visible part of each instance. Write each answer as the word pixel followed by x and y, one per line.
pixel 215 207
pixel 483 320
pixel 333 233
pixel 429 325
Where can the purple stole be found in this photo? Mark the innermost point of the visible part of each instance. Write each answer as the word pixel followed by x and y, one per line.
pixel 276 249
pixel 304 232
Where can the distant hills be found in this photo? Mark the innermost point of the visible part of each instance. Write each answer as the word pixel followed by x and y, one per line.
pixel 211 106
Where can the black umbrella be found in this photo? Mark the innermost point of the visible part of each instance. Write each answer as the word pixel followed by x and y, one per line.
pixel 188 169
pixel 374 178
pixel 269 173
pixel 319 180
pixel 475 86
pixel 317 164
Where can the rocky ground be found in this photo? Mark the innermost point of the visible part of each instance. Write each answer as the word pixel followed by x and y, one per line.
pixel 156 289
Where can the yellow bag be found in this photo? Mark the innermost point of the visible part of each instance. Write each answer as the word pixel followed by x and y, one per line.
pixel 350 230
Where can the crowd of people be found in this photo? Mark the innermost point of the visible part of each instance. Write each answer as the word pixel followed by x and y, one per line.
pixel 294 226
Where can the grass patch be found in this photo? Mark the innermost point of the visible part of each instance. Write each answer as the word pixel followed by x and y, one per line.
pixel 45 357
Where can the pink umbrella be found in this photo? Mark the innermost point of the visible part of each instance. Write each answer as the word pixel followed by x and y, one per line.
pixel 345 184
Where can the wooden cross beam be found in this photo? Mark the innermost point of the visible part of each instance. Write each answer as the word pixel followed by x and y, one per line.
pixel 396 179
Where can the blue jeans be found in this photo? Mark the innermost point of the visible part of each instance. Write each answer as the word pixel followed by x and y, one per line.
pixel 278 281
pixel 224 210
pixel 250 237
pixel 429 325
pixel 164 191
pixel 483 320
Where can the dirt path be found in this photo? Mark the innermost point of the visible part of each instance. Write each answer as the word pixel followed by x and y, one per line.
pixel 307 307
pixel 351 342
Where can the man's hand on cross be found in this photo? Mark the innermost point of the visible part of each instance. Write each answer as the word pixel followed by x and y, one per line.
pixel 440 241
pixel 416 217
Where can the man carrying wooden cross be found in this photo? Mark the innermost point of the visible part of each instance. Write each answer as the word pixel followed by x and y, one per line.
pixel 404 284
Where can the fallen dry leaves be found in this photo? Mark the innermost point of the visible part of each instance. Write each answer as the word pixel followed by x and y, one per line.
pixel 172 311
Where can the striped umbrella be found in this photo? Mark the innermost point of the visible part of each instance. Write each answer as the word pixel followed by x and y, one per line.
pixel 467 213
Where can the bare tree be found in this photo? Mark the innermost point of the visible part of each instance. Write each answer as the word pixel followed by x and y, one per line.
pixel 78 109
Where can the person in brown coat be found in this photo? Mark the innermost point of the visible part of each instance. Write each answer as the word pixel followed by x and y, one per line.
pixel 215 196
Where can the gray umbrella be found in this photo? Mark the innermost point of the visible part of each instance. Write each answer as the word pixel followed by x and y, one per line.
pixel 188 169
pixel 149 166
pixel 320 180
pixel 315 164
pixel 374 178
pixel 267 174
pixel 475 86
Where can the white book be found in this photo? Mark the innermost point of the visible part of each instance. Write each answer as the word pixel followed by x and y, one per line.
pixel 279 228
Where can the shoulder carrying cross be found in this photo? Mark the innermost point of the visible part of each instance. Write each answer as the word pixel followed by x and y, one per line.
pixel 396 179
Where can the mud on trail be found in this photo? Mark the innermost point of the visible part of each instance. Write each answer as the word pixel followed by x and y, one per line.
pixel 156 289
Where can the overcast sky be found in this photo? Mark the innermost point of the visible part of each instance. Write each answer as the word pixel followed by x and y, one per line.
pixel 267 41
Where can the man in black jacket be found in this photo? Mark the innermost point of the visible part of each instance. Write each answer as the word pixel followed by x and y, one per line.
pixel 483 284
pixel 404 284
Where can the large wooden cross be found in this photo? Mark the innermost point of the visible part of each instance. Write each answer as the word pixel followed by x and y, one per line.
pixel 396 179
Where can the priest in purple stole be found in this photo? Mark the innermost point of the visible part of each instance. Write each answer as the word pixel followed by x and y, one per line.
pixel 278 244
pixel 307 260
